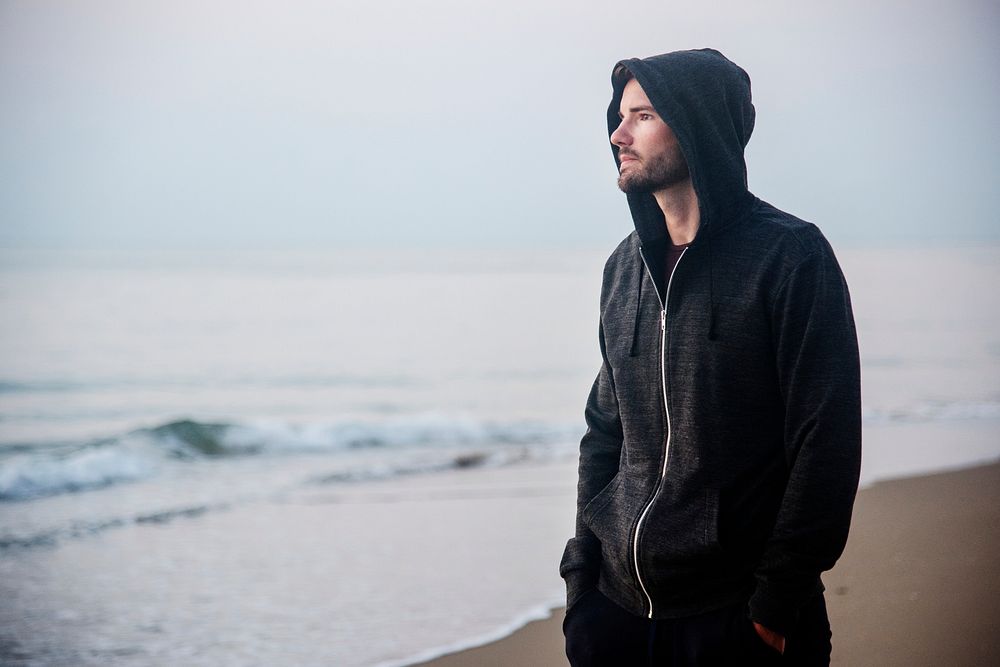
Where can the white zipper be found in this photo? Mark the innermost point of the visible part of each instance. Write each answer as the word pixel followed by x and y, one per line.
pixel 666 410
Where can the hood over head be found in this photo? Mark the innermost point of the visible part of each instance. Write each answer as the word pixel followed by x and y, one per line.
pixel 705 99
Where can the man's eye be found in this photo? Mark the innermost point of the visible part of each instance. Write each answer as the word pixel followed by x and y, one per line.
pixel 645 116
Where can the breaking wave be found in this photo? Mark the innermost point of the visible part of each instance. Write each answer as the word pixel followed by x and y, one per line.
pixel 142 453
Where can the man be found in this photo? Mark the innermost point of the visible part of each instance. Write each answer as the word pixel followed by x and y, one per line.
pixel 722 454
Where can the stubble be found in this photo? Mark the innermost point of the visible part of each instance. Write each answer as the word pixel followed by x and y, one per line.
pixel 654 174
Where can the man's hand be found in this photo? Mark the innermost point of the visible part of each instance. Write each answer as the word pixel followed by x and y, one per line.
pixel 770 637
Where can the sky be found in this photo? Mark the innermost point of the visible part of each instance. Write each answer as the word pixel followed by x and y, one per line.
pixel 449 123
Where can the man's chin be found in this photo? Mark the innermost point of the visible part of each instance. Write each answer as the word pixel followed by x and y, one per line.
pixel 630 187
pixel 638 184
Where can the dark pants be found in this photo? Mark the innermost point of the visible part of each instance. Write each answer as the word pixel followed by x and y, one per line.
pixel 599 633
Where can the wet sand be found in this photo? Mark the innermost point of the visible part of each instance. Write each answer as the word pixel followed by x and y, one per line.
pixel 917 585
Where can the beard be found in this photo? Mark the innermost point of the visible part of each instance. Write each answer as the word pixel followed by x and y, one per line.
pixel 658 173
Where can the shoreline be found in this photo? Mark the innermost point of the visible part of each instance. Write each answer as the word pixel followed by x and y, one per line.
pixel 484 541
pixel 916 584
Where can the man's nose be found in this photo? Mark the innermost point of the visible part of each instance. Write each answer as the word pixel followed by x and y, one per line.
pixel 621 137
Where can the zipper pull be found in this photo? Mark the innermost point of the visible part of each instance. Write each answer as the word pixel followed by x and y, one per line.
pixel 663 320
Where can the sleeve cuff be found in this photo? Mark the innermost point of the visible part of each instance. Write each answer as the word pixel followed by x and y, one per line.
pixel 578 582
pixel 776 612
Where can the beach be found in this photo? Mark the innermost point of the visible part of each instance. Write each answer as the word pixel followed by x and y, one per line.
pixel 917 584
pixel 353 574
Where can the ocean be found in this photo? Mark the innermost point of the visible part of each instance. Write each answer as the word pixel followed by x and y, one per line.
pixel 194 443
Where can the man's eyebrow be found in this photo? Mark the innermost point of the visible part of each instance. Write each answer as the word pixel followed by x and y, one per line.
pixel 638 109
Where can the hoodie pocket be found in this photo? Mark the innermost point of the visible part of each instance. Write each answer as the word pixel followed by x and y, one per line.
pixel 599 502
pixel 609 516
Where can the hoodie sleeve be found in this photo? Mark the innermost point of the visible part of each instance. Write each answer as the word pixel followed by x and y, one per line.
pixel 600 450
pixel 819 374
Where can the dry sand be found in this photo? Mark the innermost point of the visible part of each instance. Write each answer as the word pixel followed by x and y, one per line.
pixel 919 582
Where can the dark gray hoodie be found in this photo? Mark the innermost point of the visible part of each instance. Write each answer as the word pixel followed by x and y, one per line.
pixel 723 447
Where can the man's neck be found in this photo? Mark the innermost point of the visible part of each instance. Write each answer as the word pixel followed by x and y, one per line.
pixel 679 204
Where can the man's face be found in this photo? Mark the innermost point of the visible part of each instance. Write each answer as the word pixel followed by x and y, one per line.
pixel 651 159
